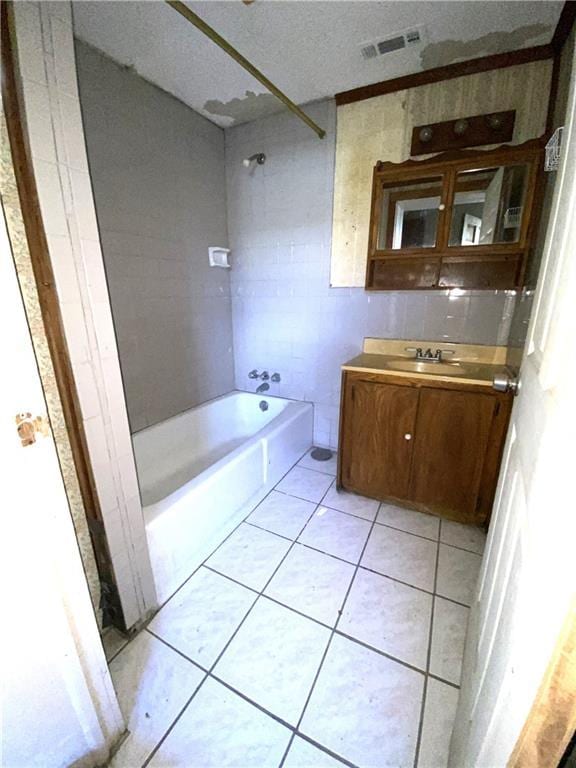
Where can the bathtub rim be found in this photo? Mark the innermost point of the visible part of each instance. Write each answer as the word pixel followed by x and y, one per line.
pixel 152 510
pixel 262 395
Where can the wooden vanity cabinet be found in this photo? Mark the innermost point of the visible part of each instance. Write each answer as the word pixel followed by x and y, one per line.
pixel 434 446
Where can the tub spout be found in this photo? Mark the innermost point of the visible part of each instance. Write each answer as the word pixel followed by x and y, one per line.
pixel 264 387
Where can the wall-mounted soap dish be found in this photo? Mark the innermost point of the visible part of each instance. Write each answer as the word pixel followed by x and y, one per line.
pixel 219 257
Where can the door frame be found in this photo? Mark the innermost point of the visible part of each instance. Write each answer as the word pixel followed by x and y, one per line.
pixel 48 302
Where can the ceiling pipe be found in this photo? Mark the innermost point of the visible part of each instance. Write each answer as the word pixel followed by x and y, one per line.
pixel 183 10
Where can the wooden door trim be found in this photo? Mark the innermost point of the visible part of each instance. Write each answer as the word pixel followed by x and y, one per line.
pixel 551 722
pixel 14 112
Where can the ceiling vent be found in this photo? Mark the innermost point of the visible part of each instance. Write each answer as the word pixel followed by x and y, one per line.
pixel 409 39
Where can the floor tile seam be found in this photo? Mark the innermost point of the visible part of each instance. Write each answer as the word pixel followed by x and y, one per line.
pixel 339 632
pixel 440 679
pixel 320 471
pixel 294 496
pixel 261 528
pixel 300 613
pixel 462 549
pixel 207 673
pixel 428 656
pixel 259 595
pixel 403 530
pixel 292 728
pixel 165 603
pixel 350 514
pixel 332 634
pixel 174 722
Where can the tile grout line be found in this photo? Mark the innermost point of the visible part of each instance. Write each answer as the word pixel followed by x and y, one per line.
pixel 338 632
pixel 428 655
pixel 212 667
pixel 145 627
pixel 333 632
pixel 363 567
pixel 284 723
pixel 195 571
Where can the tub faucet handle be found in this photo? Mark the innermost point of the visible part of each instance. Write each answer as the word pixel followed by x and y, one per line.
pixel 275 377
pixel 253 374
pixel 264 375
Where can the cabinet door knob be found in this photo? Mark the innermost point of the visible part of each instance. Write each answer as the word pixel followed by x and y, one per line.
pixel 407 436
pixel 441 207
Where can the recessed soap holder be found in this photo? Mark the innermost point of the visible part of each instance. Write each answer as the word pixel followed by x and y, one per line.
pixel 219 257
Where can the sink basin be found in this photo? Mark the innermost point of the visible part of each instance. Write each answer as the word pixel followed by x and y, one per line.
pixel 418 366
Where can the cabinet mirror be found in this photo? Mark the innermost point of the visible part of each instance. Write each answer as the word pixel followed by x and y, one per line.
pixel 488 204
pixel 409 214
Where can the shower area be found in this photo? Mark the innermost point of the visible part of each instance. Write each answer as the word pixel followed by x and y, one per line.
pixel 204 453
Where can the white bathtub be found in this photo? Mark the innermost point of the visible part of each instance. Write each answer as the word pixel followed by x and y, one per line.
pixel 201 472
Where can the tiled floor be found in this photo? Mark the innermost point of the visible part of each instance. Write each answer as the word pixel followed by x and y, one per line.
pixel 326 630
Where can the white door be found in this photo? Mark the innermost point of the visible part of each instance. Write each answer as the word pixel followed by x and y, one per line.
pixel 528 575
pixel 58 704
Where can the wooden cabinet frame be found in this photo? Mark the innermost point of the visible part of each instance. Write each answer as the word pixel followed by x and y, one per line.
pixel 490 460
pixel 446 166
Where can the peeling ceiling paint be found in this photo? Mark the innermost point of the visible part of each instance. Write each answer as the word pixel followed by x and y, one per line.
pixel 309 48
pixel 250 107
pixel 449 51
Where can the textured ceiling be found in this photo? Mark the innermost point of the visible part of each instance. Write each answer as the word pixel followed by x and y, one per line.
pixel 309 49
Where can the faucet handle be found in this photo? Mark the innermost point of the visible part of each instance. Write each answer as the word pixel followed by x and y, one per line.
pixel 253 374
pixel 276 377
pixel 264 375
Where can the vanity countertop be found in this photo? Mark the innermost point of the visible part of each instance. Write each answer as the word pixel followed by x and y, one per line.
pixel 468 363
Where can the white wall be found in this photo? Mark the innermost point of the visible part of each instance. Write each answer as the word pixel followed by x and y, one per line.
pixel 286 317
pixel 158 175
pixel 54 124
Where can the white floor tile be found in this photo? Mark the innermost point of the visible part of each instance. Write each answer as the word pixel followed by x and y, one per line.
pixel 201 618
pixel 465 536
pixel 329 467
pixel 282 514
pixel 250 556
pixel 312 583
pixel 305 484
pixel 365 707
pixel 409 520
pixel 351 503
pixel 402 556
pixel 113 641
pixel 439 714
pixel 273 659
pixel 302 754
pixel 336 533
pixel 389 616
pixel 219 729
pixel 448 636
pixel 457 574
pixel 153 684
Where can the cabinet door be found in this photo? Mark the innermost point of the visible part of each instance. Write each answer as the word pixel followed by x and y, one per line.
pixel 452 440
pixel 377 442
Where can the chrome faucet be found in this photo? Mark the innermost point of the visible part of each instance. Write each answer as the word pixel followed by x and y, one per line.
pixel 264 387
pixel 429 356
